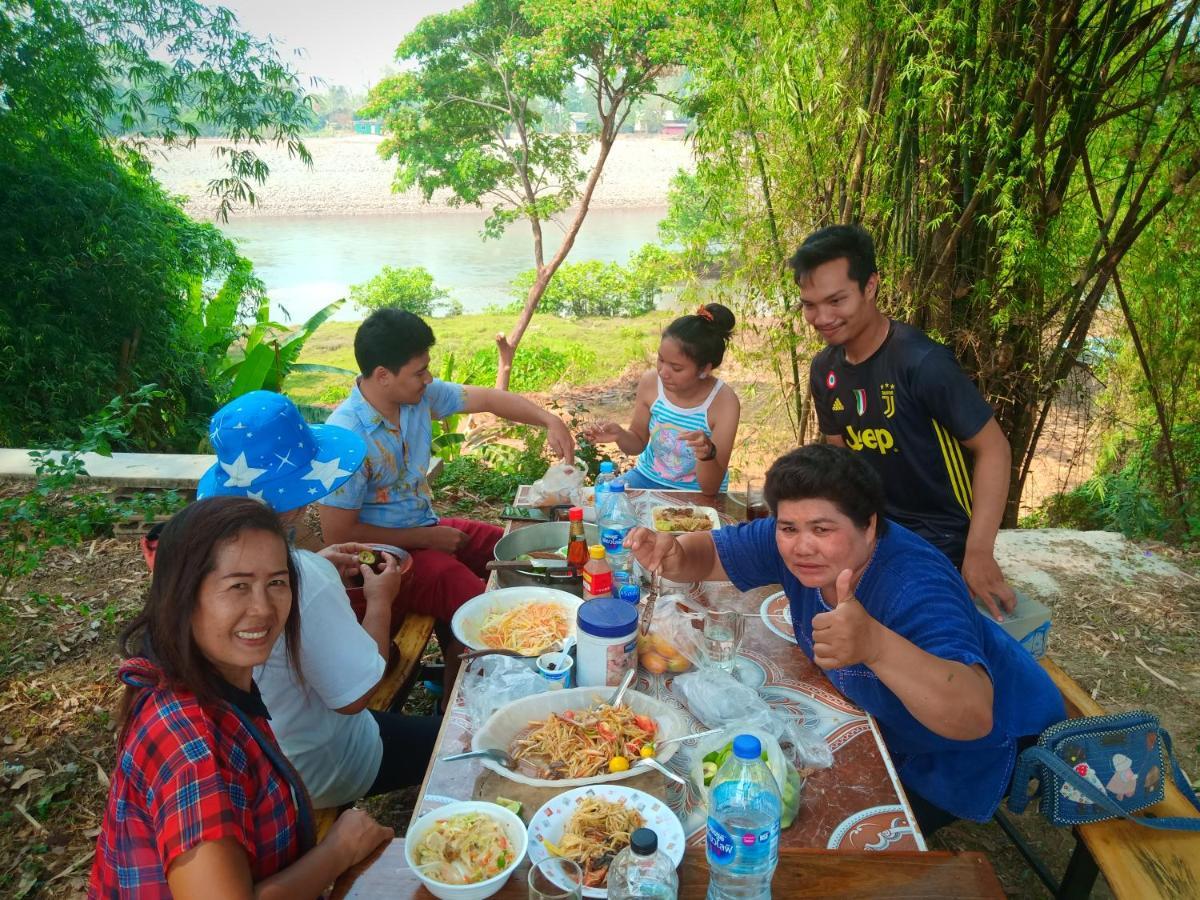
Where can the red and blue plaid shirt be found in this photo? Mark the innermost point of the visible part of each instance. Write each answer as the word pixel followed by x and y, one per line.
pixel 187 774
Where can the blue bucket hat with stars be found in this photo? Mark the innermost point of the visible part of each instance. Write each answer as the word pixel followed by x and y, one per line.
pixel 267 451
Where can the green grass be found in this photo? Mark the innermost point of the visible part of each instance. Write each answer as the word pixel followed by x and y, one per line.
pixel 554 351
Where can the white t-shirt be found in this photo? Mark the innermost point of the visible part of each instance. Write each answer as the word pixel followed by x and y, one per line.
pixel 338 756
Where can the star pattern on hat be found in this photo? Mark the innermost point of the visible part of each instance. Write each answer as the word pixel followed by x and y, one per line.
pixel 241 473
pixel 326 472
pixel 256 495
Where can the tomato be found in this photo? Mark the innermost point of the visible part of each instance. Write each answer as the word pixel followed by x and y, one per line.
pixel 605 732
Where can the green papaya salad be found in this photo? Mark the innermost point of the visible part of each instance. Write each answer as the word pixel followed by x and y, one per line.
pixel 789 790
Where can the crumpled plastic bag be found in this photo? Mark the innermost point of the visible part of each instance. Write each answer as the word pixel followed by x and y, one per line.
pixel 674 642
pixel 493 681
pixel 558 485
pixel 718 699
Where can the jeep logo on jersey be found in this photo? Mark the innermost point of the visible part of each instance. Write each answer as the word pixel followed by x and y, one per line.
pixel 870 439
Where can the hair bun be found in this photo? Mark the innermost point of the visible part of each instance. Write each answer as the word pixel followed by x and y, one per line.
pixel 721 318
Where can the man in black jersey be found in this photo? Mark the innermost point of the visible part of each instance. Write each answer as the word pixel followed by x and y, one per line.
pixel 884 389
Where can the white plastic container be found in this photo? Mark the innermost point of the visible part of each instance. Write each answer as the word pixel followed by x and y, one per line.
pixel 607 649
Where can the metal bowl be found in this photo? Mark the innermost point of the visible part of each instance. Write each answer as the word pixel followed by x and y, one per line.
pixel 542 536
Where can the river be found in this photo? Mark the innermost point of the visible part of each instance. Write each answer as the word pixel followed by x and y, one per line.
pixel 307 262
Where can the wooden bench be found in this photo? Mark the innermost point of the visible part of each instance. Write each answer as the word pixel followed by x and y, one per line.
pixel 1137 862
pixel 410 642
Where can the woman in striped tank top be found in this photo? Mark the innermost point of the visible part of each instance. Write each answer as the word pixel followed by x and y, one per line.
pixel 684 418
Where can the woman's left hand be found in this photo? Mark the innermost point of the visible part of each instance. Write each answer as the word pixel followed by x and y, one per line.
pixel 701 444
pixel 847 635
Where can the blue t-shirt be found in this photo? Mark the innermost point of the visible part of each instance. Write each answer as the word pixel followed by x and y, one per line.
pixel 912 588
pixel 390 490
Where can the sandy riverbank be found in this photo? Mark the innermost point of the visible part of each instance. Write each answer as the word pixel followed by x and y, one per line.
pixel 349 178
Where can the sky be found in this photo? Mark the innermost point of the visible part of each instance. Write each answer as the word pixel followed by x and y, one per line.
pixel 346 42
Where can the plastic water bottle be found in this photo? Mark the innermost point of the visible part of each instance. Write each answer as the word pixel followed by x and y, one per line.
pixel 614 519
pixel 641 871
pixel 607 474
pixel 743 825
pixel 603 480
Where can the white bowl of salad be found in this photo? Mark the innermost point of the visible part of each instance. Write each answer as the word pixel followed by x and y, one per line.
pixel 466 850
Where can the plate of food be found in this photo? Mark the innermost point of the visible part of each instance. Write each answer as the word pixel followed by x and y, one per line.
pixel 592 824
pixel 683 519
pixel 559 739
pixel 466 850
pixel 526 620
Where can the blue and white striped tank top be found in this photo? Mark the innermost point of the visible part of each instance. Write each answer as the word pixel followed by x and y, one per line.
pixel 668 461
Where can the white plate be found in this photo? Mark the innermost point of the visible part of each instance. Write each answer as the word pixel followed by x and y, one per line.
pixel 503 726
pixel 469 617
pixel 550 821
pixel 706 511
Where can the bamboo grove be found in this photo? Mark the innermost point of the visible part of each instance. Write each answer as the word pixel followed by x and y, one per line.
pixel 1018 162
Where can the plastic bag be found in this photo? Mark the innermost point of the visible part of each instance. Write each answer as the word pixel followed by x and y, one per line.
pixel 718 699
pixel 711 752
pixel 494 681
pixel 558 484
pixel 674 643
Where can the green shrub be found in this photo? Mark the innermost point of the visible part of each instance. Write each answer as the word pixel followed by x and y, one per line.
pixel 411 289
pixel 536 367
pixel 1133 493
pixel 591 288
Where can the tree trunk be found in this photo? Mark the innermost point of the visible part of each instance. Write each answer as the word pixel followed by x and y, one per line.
pixel 506 346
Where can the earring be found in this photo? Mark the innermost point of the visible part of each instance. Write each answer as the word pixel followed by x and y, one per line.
pixel 703 374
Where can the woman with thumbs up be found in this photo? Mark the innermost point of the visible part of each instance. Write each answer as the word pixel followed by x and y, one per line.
pixel 889 619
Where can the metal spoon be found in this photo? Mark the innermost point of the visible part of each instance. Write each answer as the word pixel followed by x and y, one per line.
pixel 687 737
pixel 496 756
pixel 615 699
pixel 655 764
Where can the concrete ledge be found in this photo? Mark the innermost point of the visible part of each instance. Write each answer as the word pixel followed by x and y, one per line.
pixel 143 470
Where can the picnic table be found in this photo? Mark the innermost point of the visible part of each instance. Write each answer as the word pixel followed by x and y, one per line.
pixel 856 808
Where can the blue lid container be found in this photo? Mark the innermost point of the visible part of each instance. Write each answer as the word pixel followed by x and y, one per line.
pixel 607 618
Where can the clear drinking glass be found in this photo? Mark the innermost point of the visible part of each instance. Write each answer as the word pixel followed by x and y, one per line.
pixel 756 506
pixel 723 630
pixel 555 879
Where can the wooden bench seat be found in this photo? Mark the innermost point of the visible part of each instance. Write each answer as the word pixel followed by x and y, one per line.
pixel 410 642
pixel 1137 862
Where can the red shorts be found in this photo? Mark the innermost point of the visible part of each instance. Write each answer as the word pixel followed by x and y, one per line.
pixel 439 583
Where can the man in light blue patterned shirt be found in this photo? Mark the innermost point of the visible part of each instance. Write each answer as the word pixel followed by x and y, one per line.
pixel 388 500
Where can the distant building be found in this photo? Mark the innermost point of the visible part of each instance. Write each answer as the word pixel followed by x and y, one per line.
pixel 368 126
pixel 674 128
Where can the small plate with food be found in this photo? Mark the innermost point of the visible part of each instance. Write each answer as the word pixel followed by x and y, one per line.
pixel 526 620
pixel 465 850
pixel 684 519
pixel 592 824
pixel 571 738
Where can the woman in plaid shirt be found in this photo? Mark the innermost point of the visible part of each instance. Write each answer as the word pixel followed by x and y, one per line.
pixel 202 802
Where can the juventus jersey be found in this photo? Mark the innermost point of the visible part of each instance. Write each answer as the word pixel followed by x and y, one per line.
pixel 906 409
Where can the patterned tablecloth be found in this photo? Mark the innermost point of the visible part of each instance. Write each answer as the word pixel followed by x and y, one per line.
pixel 857 804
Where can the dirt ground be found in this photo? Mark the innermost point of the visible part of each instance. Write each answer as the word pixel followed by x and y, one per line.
pixel 1126 627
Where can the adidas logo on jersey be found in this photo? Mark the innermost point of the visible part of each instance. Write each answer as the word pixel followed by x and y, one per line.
pixel 837 405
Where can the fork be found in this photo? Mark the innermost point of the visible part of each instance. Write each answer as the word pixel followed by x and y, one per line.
pixel 651 599
pixel 497 756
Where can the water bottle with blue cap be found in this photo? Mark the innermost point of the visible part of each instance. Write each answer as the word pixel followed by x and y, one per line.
pixel 744 811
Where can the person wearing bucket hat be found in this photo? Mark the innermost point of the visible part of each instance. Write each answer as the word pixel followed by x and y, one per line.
pixel 392 406
pixel 343 751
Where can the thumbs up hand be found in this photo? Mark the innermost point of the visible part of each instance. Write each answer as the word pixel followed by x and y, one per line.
pixel 848 634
